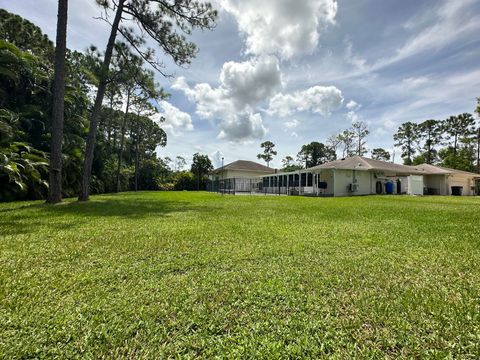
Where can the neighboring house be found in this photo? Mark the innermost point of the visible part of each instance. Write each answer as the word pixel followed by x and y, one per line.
pixel 363 176
pixel 238 176
pixel 240 169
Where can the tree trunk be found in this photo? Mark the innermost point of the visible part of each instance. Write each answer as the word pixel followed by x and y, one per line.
pixel 455 146
pixel 114 141
pixel 478 150
pixel 122 141
pixel 430 148
pixel 409 153
pixel 198 179
pixel 55 189
pixel 97 107
pixel 109 124
pixel 137 158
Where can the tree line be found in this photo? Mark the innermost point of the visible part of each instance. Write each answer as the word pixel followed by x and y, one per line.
pixel 75 123
pixel 350 142
pixel 452 143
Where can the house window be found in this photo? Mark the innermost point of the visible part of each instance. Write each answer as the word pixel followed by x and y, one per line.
pixel 309 179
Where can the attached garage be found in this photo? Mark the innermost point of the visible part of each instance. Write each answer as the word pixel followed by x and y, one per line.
pixel 441 181
pixel 462 182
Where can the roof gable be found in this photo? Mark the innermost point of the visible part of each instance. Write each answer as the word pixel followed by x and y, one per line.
pixel 246 165
pixel 363 163
pixel 433 169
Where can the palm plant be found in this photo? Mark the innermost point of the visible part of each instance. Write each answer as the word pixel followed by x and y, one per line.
pixel 22 171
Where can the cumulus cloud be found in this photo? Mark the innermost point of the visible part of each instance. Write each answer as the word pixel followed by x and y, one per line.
pixel 176 121
pixel 352 116
pixel 291 124
pixel 251 81
pixel 353 105
pixel 231 105
pixel 242 127
pixel 217 159
pixel 215 104
pixel 286 28
pixel 317 99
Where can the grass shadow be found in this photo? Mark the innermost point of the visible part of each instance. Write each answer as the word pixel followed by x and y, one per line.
pixel 29 218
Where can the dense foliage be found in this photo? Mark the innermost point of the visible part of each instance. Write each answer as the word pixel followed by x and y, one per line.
pixel 453 142
pixel 125 155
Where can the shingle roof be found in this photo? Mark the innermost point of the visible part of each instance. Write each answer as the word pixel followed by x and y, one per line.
pixel 434 170
pixel 246 165
pixel 363 163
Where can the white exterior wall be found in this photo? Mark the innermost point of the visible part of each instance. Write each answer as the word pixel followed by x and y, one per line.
pixel 444 183
pixel 404 184
pixel 383 177
pixel 244 174
pixel 458 180
pixel 438 182
pixel 229 174
pixel 326 176
pixel 415 185
pixel 343 178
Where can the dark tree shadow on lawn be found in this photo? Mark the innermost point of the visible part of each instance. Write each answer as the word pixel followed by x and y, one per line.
pixel 26 219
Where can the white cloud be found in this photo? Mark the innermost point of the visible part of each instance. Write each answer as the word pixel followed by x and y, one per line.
pixel 318 99
pixel 286 28
pixel 353 105
pixel 231 105
pixel 352 116
pixel 251 81
pixel 450 21
pixel 217 159
pixel 242 127
pixel 389 124
pixel 291 124
pixel 235 117
pixel 176 121
pixel 414 82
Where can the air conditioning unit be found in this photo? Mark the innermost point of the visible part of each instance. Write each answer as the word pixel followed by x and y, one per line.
pixel 353 187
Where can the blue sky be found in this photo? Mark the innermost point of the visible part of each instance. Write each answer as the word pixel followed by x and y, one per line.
pixel 299 71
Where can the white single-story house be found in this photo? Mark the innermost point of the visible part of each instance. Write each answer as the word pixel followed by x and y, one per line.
pixel 240 169
pixel 363 176
pixel 238 176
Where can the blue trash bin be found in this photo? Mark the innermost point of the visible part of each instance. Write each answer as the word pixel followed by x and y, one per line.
pixel 389 187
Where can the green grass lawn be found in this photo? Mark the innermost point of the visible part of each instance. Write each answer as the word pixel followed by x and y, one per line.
pixel 151 275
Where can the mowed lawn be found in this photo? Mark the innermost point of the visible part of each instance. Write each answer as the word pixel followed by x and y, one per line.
pixel 197 275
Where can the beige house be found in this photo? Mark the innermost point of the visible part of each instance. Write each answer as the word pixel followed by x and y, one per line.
pixel 441 180
pixel 240 169
pixel 363 176
pixel 238 176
